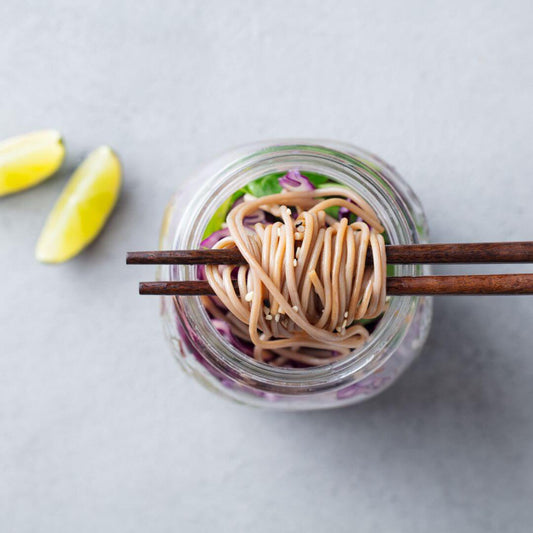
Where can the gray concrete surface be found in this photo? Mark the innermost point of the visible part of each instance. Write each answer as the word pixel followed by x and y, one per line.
pixel 99 429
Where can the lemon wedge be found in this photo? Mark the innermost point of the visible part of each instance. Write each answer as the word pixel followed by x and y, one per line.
pixel 28 159
pixel 82 209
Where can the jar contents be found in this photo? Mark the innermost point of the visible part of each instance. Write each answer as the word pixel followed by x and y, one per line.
pixel 307 296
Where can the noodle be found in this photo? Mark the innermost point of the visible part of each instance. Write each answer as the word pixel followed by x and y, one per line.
pixel 306 282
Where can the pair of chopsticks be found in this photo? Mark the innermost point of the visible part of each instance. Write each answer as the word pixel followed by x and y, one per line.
pixel 494 252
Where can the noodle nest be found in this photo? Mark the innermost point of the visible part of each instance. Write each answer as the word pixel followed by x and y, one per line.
pixel 306 285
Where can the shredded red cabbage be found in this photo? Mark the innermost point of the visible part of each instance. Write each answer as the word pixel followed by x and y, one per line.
pixel 215 237
pixel 251 220
pixel 344 212
pixel 257 217
pixel 224 329
pixel 294 181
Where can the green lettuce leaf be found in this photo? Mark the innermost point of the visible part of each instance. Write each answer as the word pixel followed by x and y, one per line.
pixel 264 186
pixel 220 214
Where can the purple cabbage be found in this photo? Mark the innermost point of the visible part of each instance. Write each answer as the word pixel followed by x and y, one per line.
pixel 294 181
pixel 224 329
pixel 365 387
pixel 344 212
pixel 257 217
pixel 216 236
pixel 200 272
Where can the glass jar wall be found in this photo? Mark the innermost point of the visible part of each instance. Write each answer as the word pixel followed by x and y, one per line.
pixel 219 366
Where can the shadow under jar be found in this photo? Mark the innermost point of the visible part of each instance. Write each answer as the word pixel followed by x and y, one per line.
pixel 205 354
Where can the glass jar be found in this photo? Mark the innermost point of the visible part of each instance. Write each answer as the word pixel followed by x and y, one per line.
pixel 206 355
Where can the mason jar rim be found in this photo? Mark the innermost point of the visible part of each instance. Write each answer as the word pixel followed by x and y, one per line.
pixel 360 170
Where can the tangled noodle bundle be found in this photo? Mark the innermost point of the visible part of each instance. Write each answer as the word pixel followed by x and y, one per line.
pixel 306 283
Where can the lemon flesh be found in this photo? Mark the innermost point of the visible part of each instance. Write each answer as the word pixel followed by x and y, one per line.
pixel 82 209
pixel 29 159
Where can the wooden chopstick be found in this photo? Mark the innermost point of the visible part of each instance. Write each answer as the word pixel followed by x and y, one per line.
pixel 419 285
pixel 488 252
pixel 495 252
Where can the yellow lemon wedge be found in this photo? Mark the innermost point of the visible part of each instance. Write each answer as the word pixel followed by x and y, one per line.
pixel 82 209
pixel 28 159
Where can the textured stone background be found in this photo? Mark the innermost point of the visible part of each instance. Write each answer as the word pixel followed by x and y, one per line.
pixel 99 429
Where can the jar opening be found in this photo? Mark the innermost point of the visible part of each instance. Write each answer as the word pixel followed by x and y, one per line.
pixel 359 170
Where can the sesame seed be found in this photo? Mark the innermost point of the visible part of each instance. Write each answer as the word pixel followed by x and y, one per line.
pixel 295 308
pixel 268 317
pixel 297 236
pixel 338 329
pixel 295 262
pixel 277 317
pixel 249 296
pixel 346 314
pixel 289 212
pixel 344 324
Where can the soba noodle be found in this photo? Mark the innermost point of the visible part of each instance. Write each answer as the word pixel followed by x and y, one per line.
pixel 306 283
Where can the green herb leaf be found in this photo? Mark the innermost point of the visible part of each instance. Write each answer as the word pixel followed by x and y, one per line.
pixel 329 183
pixel 315 179
pixel 220 214
pixel 265 185
pixel 365 321
pixel 333 211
